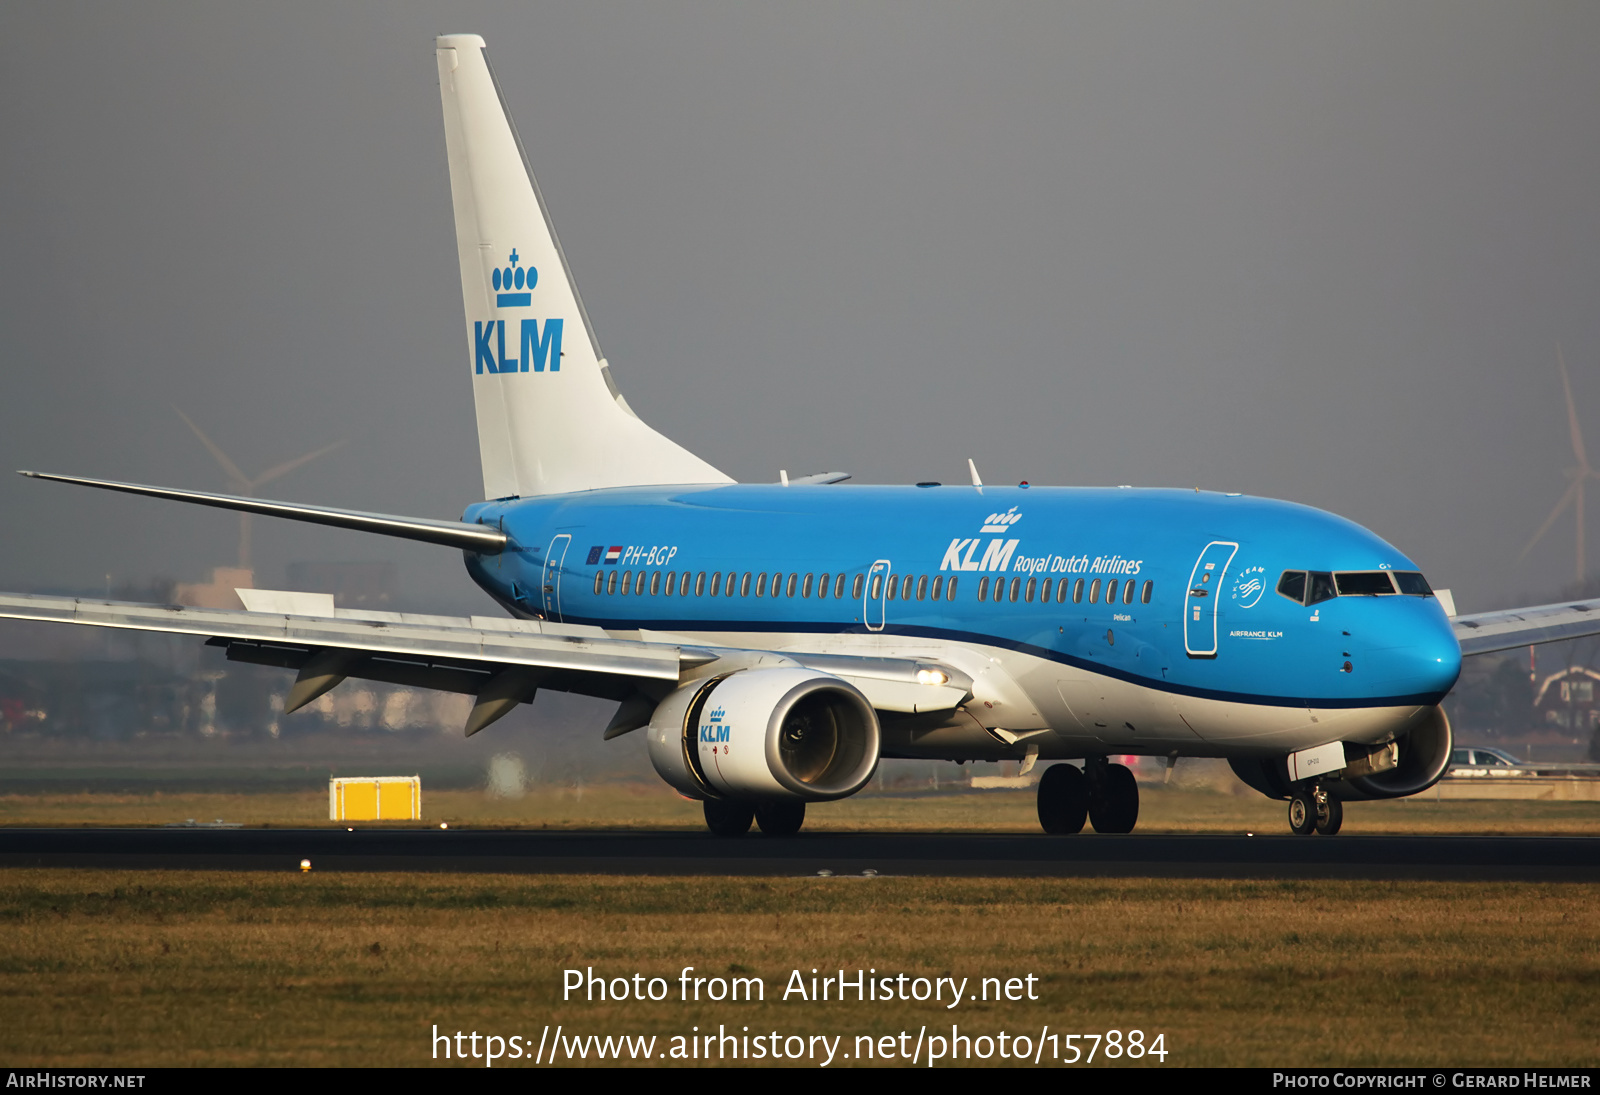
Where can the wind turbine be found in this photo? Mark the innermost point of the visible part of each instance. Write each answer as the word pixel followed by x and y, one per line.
pixel 1577 475
pixel 243 484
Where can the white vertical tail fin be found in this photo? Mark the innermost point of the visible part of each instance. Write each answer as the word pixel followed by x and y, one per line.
pixel 550 418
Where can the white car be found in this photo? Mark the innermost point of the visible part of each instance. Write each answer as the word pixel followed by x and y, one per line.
pixel 1484 762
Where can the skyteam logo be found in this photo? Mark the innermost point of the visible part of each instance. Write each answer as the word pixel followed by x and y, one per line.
pixel 962 554
pixel 1249 586
pixel 512 285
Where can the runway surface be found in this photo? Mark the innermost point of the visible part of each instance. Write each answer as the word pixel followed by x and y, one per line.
pixel 839 854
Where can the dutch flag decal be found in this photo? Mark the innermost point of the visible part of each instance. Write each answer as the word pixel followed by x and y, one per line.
pixel 613 554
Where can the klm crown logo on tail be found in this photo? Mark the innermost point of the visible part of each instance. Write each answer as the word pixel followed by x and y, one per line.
pixel 514 276
pixel 513 285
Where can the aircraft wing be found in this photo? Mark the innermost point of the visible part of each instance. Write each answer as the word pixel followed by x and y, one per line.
pixel 499 660
pixel 1490 631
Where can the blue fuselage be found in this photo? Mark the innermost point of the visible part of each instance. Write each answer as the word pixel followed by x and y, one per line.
pixel 1203 616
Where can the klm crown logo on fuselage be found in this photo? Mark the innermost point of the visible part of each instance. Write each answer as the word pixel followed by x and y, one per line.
pixel 513 287
pixel 962 554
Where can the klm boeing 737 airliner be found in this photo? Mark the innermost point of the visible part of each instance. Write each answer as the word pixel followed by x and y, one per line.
pixel 775 641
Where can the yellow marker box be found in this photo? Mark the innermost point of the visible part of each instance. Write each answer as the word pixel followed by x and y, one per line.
pixel 374 798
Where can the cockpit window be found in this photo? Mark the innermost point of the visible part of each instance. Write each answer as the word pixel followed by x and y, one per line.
pixel 1364 583
pixel 1314 586
pixel 1412 583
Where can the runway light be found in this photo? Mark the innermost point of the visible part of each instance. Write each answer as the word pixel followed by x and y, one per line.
pixel 305 864
pixel 444 825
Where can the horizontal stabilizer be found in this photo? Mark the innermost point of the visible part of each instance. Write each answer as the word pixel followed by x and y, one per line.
pixel 456 534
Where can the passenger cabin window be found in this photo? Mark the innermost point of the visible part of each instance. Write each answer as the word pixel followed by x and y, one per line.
pixel 805 590
pixel 983 589
pixel 877 586
pixel 1111 592
pixel 938 587
pixel 1077 591
pixel 1144 594
pixel 950 590
pixel 922 588
pixel 1127 592
pixel 672 583
pixel 894 587
pixel 599 579
pixel 627 582
pixel 744 585
pixel 855 586
pixel 1094 592
pixel 1016 589
pixel 1044 589
pixel 822 587
pixel 700 585
pixel 1033 587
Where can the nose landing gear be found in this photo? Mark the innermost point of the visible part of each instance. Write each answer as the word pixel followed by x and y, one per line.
pixel 1313 810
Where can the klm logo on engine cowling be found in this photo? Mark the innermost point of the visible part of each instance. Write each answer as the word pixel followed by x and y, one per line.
pixel 513 287
pixel 963 554
pixel 715 732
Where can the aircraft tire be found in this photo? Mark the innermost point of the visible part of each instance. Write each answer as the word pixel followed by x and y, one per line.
pixel 1063 799
pixel 780 818
pixel 1303 811
pixel 726 817
pixel 1330 816
pixel 1115 809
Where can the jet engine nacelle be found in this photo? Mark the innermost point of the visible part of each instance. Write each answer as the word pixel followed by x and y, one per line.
pixel 1423 756
pixel 792 734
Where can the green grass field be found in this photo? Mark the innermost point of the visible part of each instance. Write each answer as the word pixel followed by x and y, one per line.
pixel 129 969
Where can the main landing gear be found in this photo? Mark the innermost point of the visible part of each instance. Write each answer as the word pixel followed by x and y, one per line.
pixel 728 817
pixel 1104 794
pixel 1313 810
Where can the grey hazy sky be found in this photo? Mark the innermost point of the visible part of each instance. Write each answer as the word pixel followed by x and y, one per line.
pixel 1315 251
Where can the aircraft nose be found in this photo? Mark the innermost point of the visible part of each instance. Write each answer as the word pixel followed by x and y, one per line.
pixel 1420 655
